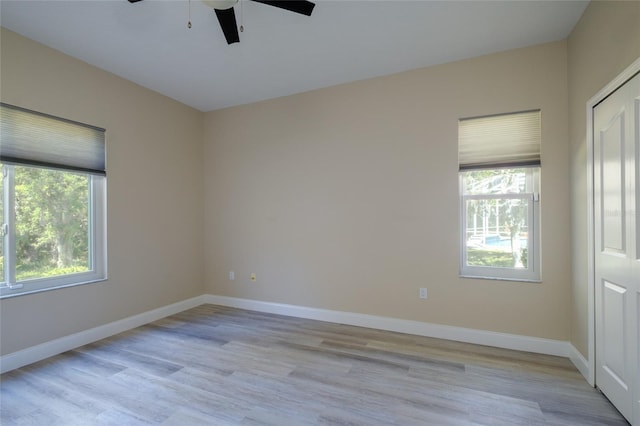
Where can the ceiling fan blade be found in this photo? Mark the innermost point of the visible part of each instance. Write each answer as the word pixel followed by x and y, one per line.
pixel 134 1
pixel 297 6
pixel 227 19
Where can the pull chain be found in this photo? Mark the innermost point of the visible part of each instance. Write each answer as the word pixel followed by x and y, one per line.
pixel 189 24
pixel 241 16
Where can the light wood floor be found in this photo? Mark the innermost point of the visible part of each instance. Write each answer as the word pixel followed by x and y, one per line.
pixel 216 366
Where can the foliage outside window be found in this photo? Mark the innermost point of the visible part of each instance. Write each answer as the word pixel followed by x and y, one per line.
pixel 499 164
pixel 499 223
pixel 53 222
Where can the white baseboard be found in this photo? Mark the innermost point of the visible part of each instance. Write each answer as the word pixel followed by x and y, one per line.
pixel 54 347
pixel 489 338
pixel 580 363
pixel 468 335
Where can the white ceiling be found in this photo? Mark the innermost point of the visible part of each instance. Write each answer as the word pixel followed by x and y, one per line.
pixel 280 52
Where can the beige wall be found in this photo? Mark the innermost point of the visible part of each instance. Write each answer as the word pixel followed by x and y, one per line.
pixel 605 41
pixel 343 198
pixel 346 198
pixel 154 193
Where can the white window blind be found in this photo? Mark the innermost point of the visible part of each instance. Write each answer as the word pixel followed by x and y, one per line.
pixel 32 138
pixel 504 140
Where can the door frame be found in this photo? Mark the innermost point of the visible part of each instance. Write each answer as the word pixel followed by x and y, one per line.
pixel 623 77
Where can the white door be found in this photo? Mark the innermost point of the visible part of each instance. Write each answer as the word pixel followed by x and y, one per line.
pixel 616 138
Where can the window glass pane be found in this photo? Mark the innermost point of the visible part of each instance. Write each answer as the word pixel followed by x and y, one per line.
pixel 497 233
pixel 52 222
pixel 495 181
pixel 2 221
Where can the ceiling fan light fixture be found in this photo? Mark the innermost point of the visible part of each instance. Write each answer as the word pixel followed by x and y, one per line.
pixel 220 4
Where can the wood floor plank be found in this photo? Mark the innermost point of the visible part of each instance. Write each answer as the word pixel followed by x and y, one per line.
pixel 215 365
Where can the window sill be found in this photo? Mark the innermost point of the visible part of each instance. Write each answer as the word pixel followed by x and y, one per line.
pixel 6 292
pixel 524 280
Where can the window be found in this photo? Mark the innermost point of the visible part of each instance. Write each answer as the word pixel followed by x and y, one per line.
pixel 52 202
pixel 499 168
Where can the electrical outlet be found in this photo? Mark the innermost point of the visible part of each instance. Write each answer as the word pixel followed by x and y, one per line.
pixel 423 293
pixel 232 275
pixel 253 277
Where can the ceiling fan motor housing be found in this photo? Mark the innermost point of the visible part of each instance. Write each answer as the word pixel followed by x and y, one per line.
pixel 220 4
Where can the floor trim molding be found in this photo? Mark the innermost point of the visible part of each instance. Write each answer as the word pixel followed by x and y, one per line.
pixel 467 335
pixel 54 347
pixel 481 337
pixel 581 363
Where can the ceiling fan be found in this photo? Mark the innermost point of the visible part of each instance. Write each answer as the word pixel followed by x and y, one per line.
pixel 227 17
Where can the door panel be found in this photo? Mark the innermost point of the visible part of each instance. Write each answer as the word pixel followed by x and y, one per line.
pixel 612 178
pixel 635 264
pixel 616 122
pixel 635 180
pixel 613 310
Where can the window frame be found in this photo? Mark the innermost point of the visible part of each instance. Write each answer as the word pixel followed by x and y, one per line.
pixel 97 241
pixel 532 196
